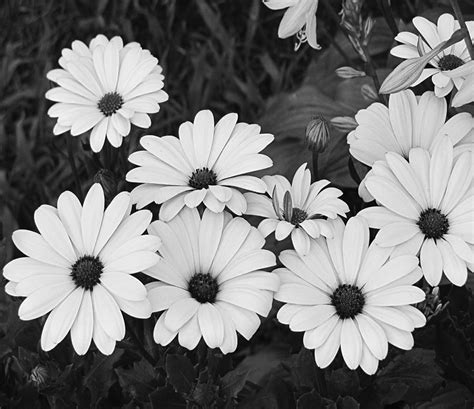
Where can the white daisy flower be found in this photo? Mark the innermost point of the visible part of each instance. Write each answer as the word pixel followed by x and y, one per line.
pixel 426 207
pixel 349 295
pixel 211 283
pixel 465 94
pixel 300 208
pixel 446 61
pixel 105 87
pixel 207 164
pixel 408 122
pixel 300 18
pixel 78 269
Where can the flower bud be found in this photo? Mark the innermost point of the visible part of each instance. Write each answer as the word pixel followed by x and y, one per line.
pixel 39 375
pixel 349 72
pixel 344 123
pixel 369 93
pixel 317 134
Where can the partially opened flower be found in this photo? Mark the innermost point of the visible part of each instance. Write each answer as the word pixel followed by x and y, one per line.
pixel 446 61
pixel 408 122
pixel 345 294
pixel 301 208
pixel 425 207
pixel 211 280
pixel 105 88
pixel 300 18
pixel 207 164
pixel 78 269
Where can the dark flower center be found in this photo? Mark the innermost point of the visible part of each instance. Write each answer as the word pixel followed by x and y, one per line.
pixel 449 62
pixel 348 301
pixel 203 288
pixel 433 224
pixel 202 178
pixel 110 103
pixel 298 216
pixel 86 272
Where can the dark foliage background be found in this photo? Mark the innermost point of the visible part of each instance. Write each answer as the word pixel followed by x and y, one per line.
pixel 222 55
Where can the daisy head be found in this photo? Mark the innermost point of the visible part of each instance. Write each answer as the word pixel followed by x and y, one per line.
pixel 302 208
pixel 444 65
pixel 408 122
pixel 349 295
pixel 425 208
pixel 105 87
pixel 78 269
pixel 299 18
pixel 211 280
pixel 207 164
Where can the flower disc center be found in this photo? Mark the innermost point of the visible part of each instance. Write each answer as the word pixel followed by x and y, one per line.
pixel 433 224
pixel 202 178
pixel 348 301
pixel 298 216
pixel 203 288
pixel 450 62
pixel 110 103
pixel 86 272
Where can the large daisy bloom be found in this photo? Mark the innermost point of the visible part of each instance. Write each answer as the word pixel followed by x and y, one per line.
pixel 104 88
pixel 349 295
pixel 446 61
pixel 300 17
pixel 408 122
pixel 426 208
pixel 78 269
pixel 301 208
pixel 207 164
pixel 211 280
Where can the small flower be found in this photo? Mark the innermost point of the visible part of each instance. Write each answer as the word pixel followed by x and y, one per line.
pixel 39 375
pixel 105 87
pixel 445 61
pixel 300 208
pixel 78 269
pixel 211 283
pixel 317 134
pixel 207 164
pixel 349 295
pixel 407 123
pixel 300 18
pixel 425 208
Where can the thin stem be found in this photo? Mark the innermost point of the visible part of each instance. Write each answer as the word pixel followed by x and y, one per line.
pixel 321 379
pixel 372 71
pixel 462 24
pixel 384 6
pixel 315 164
pixel 73 167
pixel 139 345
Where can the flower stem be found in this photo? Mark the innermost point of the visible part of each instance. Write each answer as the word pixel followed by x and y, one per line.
pixel 140 346
pixel 462 24
pixel 321 379
pixel 315 164
pixel 73 167
pixel 384 6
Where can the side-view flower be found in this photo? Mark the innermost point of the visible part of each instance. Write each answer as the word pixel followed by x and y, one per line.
pixel 302 208
pixel 425 208
pixel 349 295
pixel 105 87
pixel 78 269
pixel 212 282
pixel 207 164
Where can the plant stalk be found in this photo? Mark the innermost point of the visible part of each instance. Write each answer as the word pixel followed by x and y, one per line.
pixel 462 24
pixel 73 168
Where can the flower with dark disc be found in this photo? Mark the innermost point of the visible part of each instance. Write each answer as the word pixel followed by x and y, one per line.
pixel 298 216
pixel 86 272
pixel 202 178
pixel 450 62
pixel 203 288
pixel 110 103
pixel 433 224
pixel 348 301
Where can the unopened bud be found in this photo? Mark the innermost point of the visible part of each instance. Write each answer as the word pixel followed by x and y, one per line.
pixel 39 375
pixel 369 93
pixel 317 134
pixel 367 30
pixel 344 123
pixel 108 182
pixel 349 72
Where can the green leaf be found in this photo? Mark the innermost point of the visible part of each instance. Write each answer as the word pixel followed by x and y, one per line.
pixel 180 372
pixel 411 377
pixel 138 380
pixel 166 398
pixel 453 396
pixel 342 382
pixel 310 400
pixel 347 402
